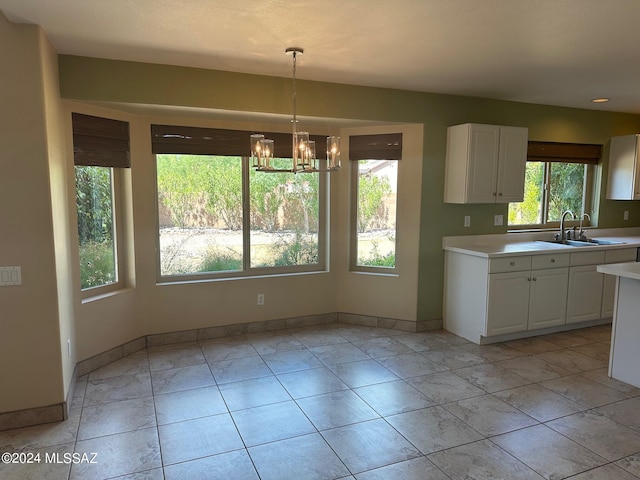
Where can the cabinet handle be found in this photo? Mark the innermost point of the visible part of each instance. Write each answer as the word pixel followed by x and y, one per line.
pixel 500 194
pixel 553 260
pixel 513 264
pixel 535 279
pixel 494 194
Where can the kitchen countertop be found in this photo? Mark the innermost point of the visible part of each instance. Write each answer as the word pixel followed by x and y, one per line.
pixel 489 246
pixel 627 270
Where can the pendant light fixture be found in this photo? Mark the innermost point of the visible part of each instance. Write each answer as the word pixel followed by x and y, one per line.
pixel 303 155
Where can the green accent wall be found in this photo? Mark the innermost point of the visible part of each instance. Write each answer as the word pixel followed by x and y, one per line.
pixel 98 80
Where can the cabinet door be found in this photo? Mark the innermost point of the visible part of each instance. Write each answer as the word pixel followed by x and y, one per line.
pixel 508 308
pixel 584 300
pixel 623 168
pixel 548 301
pixel 484 143
pixel 511 164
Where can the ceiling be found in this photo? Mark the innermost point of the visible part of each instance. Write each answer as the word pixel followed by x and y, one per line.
pixel 554 52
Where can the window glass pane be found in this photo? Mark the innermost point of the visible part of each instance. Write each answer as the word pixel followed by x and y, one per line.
pixel 566 189
pixel 284 217
pixel 94 203
pixel 529 211
pixel 376 215
pixel 200 213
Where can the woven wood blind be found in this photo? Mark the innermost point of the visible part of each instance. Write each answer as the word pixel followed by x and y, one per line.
pixel 100 142
pixel 563 152
pixel 217 141
pixel 386 146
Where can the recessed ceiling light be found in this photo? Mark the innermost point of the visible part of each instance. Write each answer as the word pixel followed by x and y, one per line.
pixel 600 100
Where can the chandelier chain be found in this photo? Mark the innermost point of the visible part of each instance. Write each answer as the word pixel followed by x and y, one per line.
pixel 294 92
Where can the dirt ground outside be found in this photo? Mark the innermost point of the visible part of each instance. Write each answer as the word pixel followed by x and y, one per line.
pixel 182 250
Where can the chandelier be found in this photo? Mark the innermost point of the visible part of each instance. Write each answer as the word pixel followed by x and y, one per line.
pixel 303 149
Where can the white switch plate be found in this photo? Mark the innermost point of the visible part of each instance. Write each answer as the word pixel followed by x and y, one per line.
pixel 626 214
pixel 467 221
pixel 261 299
pixel 10 276
pixel 497 220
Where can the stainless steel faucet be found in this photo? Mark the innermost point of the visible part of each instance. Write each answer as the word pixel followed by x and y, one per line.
pixel 582 235
pixel 563 234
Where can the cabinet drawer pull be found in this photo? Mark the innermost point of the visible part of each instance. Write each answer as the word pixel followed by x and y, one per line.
pixel 553 260
pixel 500 194
pixel 513 264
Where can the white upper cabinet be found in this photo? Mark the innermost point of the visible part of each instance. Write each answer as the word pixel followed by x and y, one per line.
pixel 485 164
pixel 624 169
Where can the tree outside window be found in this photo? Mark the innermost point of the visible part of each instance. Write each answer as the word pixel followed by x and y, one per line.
pixel 550 189
pixel 94 203
pixel 375 218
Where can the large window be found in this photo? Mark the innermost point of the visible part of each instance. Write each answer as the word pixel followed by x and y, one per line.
pixel 555 183
pixel 218 217
pixel 374 174
pixel 101 151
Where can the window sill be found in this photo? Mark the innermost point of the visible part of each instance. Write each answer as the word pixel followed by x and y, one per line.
pixel 191 280
pixel 375 273
pixel 104 295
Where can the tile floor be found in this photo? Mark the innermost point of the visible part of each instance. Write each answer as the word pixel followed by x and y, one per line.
pixel 342 401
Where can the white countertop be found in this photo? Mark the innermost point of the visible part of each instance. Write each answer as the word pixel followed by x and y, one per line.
pixel 489 246
pixel 627 270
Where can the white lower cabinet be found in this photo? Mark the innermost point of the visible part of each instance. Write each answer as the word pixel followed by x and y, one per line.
pixel 506 295
pixel 548 301
pixel 585 294
pixel 508 302
pixel 526 300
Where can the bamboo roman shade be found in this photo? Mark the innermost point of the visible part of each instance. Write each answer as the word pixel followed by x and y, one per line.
pixel 217 141
pixel 387 146
pixel 564 152
pixel 100 142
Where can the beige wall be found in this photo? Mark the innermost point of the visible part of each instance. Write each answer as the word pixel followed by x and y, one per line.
pixel 391 296
pixel 29 320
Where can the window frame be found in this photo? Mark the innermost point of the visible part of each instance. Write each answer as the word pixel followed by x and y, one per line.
pixel 353 237
pixel 117 181
pixel 386 146
pixel 247 270
pixel 587 199
pixel 108 150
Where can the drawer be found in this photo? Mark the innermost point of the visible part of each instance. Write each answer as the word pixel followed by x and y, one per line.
pixel 620 255
pixel 587 258
pixel 555 260
pixel 509 264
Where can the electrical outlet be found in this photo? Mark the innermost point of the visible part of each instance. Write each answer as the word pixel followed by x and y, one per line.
pixel 467 221
pixel 10 276
pixel 497 220
pixel 626 214
pixel 261 299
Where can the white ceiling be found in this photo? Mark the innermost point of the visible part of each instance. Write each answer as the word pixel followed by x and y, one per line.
pixel 554 52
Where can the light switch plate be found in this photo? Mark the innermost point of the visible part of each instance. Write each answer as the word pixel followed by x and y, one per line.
pixel 10 276
pixel 497 220
pixel 467 221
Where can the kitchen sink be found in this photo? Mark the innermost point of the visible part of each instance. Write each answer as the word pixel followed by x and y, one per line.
pixel 591 242
pixel 604 242
pixel 572 243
